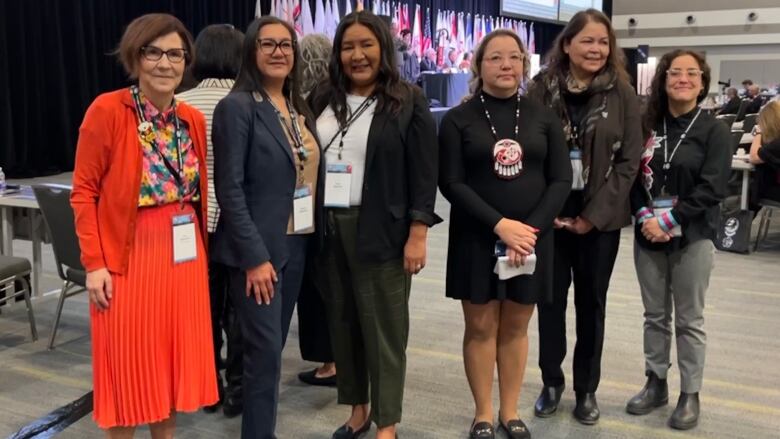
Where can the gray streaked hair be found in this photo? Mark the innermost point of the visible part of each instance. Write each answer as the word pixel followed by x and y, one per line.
pixel 315 56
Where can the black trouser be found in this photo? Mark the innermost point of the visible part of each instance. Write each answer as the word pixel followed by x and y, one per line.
pixel 223 318
pixel 265 330
pixel 313 334
pixel 589 260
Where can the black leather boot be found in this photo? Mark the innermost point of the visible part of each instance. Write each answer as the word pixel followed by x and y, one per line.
pixel 548 400
pixel 655 394
pixel 686 414
pixel 587 409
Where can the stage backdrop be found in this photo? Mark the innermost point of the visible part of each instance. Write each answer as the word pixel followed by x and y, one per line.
pixel 55 59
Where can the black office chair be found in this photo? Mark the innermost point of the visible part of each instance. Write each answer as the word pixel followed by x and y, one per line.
pixel 54 201
pixel 728 119
pixel 16 271
pixel 736 139
pixel 767 208
pixel 749 122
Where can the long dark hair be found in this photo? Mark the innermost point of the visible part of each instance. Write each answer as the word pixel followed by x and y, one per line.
pixel 658 103
pixel 250 78
pixel 391 92
pixel 475 83
pixel 558 61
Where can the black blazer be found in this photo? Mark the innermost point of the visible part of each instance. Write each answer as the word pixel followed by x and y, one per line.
pixel 401 173
pixel 731 107
pixel 254 179
pixel 427 65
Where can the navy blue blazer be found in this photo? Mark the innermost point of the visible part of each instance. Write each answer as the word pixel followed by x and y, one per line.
pixel 254 180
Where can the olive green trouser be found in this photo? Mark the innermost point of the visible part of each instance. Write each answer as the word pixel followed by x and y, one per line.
pixel 368 317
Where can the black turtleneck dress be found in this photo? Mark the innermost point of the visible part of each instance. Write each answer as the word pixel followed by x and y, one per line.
pixel 479 198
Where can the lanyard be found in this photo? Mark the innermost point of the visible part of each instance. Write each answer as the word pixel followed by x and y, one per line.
pixel 176 174
pixel 352 118
pixel 517 115
pixel 668 158
pixel 295 134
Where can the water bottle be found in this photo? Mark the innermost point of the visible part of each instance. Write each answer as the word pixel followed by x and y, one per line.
pixel 2 181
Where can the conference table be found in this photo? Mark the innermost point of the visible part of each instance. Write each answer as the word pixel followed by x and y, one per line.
pixel 447 88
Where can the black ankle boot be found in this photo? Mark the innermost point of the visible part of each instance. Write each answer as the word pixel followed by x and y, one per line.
pixel 548 400
pixel 686 414
pixel 655 394
pixel 587 409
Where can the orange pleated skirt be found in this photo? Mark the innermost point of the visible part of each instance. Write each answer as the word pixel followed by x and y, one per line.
pixel 152 352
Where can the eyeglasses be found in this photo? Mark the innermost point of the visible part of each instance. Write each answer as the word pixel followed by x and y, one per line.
pixel 152 53
pixel 268 46
pixel 497 60
pixel 678 73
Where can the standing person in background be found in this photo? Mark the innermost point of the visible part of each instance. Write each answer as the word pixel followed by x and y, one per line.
pixel 505 184
pixel 587 86
pixel 219 57
pixel 313 334
pixel 676 198
pixel 267 164
pixel 378 135
pixel 411 70
pixel 139 200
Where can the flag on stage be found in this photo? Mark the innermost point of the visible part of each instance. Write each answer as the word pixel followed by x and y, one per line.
pixel 426 43
pixel 348 8
pixel 488 25
pixel 259 12
pixel 531 39
pixel 417 37
pixel 307 25
pixel 469 32
pixel 375 7
pixel 319 18
pixel 461 32
pixel 329 29
pixel 336 15
pixel 523 34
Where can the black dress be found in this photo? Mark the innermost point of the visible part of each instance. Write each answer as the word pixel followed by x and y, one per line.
pixel 480 198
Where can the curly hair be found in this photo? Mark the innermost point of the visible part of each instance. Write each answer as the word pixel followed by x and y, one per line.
pixel 658 102
pixel 315 55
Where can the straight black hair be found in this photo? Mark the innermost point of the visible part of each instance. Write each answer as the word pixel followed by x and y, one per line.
pixel 219 52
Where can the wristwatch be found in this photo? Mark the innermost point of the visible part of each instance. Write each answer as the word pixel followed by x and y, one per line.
pixel 756 130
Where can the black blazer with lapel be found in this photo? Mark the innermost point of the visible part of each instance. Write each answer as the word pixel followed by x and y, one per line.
pixel 401 172
pixel 254 179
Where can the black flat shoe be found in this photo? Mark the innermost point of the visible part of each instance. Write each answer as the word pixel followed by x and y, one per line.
pixel 482 430
pixel 587 409
pixel 547 403
pixel 232 406
pixel 686 414
pixel 516 429
pixel 312 379
pixel 346 432
pixel 655 394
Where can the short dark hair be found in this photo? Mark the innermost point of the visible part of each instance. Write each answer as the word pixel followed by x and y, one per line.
pixel 658 103
pixel 145 29
pixel 747 82
pixel 405 32
pixel 219 52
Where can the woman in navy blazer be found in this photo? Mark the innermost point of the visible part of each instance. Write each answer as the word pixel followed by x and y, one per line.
pixel 268 175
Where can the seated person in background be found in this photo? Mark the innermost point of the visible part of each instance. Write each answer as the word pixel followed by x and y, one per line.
pixel 428 63
pixel 745 86
pixel 756 101
pixel 732 104
pixel 451 63
pixel 765 154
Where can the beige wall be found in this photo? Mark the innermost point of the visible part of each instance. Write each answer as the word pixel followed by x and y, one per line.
pixel 722 30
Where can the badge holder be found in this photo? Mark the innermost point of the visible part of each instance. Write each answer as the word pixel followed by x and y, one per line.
pixel 338 181
pixel 184 238
pixel 663 204
pixel 303 209
pixel 577 181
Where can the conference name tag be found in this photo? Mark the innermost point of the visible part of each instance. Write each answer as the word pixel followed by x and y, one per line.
pixel 184 239
pixel 338 181
pixel 577 181
pixel 303 210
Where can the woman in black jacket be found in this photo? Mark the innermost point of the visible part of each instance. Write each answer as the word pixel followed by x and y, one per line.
pixel 586 84
pixel 379 140
pixel 684 174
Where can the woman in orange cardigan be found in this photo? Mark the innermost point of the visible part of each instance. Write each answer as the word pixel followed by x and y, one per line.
pixel 139 187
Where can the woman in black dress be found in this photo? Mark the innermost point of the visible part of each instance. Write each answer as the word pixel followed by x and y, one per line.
pixel 504 168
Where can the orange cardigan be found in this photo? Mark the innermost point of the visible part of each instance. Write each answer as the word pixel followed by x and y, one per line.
pixel 107 178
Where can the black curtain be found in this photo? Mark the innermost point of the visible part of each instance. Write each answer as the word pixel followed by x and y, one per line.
pixel 55 59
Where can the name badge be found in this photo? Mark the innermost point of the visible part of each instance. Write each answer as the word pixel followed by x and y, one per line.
pixel 184 239
pixel 303 210
pixel 661 205
pixel 338 182
pixel 577 181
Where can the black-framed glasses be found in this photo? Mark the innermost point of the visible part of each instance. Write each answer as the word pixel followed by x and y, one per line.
pixel 152 53
pixel 268 46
